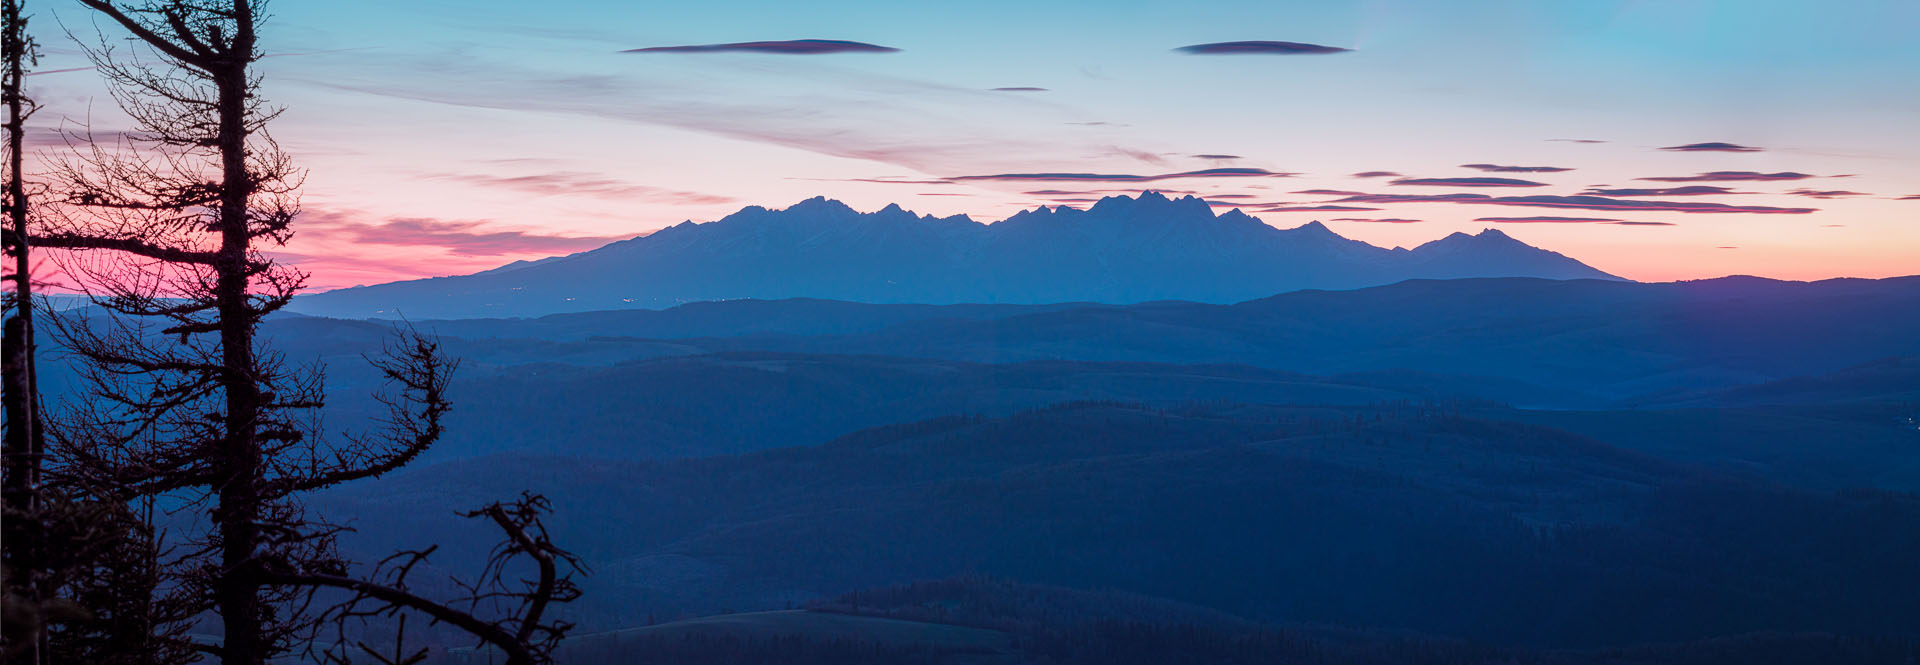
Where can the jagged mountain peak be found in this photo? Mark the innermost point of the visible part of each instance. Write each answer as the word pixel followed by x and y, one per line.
pixel 1489 238
pixel 819 207
pixel 1121 249
pixel 1150 200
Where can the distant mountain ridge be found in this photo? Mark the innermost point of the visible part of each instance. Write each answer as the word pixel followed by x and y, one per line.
pixel 1119 250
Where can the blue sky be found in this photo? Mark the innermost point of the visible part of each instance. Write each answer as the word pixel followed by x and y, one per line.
pixel 445 137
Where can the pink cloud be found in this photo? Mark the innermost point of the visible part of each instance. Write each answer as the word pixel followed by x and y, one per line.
pixel 1585 202
pixel 570 182
pixel 1713 146
pixel 1689 190
pixel 1315 208
pixel 1501 168
pixel 1123 177
pixel 785 47
pixel 1470 182
pixel 455 237
pixel 1826 194
pixel 1733 176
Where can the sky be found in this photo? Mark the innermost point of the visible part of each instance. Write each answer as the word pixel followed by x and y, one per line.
pixel 1656 140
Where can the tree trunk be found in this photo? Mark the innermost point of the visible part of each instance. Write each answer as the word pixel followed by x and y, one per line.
pixel 23 443
pixel 237 592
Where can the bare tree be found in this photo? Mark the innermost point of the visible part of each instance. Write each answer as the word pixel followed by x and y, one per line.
pixel 185 206
pixel 170 229
pixel 77 572
pixel 18 51
pixel 504 613
pixel 27 610
pixel 97 573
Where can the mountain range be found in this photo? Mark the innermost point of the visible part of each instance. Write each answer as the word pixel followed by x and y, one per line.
pixel 1119 250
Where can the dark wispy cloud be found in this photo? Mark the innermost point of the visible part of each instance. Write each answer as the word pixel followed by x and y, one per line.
pixel 1216 156
pixel 901 131
pixel 1732 176
pixel 382 269
pixel 1915 197
pixel 1578 140
pixel 785 47
pixel 1153 158
pixel 1581 202
pixel 575 183
pixel 456 237
pixel 1315 208
pixel 801 103
pixel 1417 198
pixel 1092 192
pixel 78 137
pixel 1545 219
pixel 1328 192
pixel 1826 193
pixel 1125 177
pixel 1376 174
pixel 1712 146
pixel 1470 182
pixel 1381 220
pixel 883 181
pixel 44 72
pixel 1502 168
pixel 1260 48
pixel 1018 88
pixel 1689 190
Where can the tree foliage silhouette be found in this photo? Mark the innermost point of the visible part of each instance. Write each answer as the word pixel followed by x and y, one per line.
pixel 169 230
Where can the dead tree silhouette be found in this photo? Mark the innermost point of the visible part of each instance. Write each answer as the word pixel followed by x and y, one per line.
pixel 169 231
pixel 26 598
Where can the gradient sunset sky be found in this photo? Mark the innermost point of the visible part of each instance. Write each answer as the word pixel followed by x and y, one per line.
pixel 1753 137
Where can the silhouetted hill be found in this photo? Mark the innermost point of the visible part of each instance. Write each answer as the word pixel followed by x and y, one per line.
pixel 1643 344
pixel 1884 381
pixel 732 318
pixel 1399 518
pixel 1119 250
pixel 1824 447
pixel 808 638
pixel 1613 339
pixel 690 406
pixel 694 380
pixel 693 406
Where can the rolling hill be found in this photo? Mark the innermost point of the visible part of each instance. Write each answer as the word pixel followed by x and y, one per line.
pixel 1398 518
